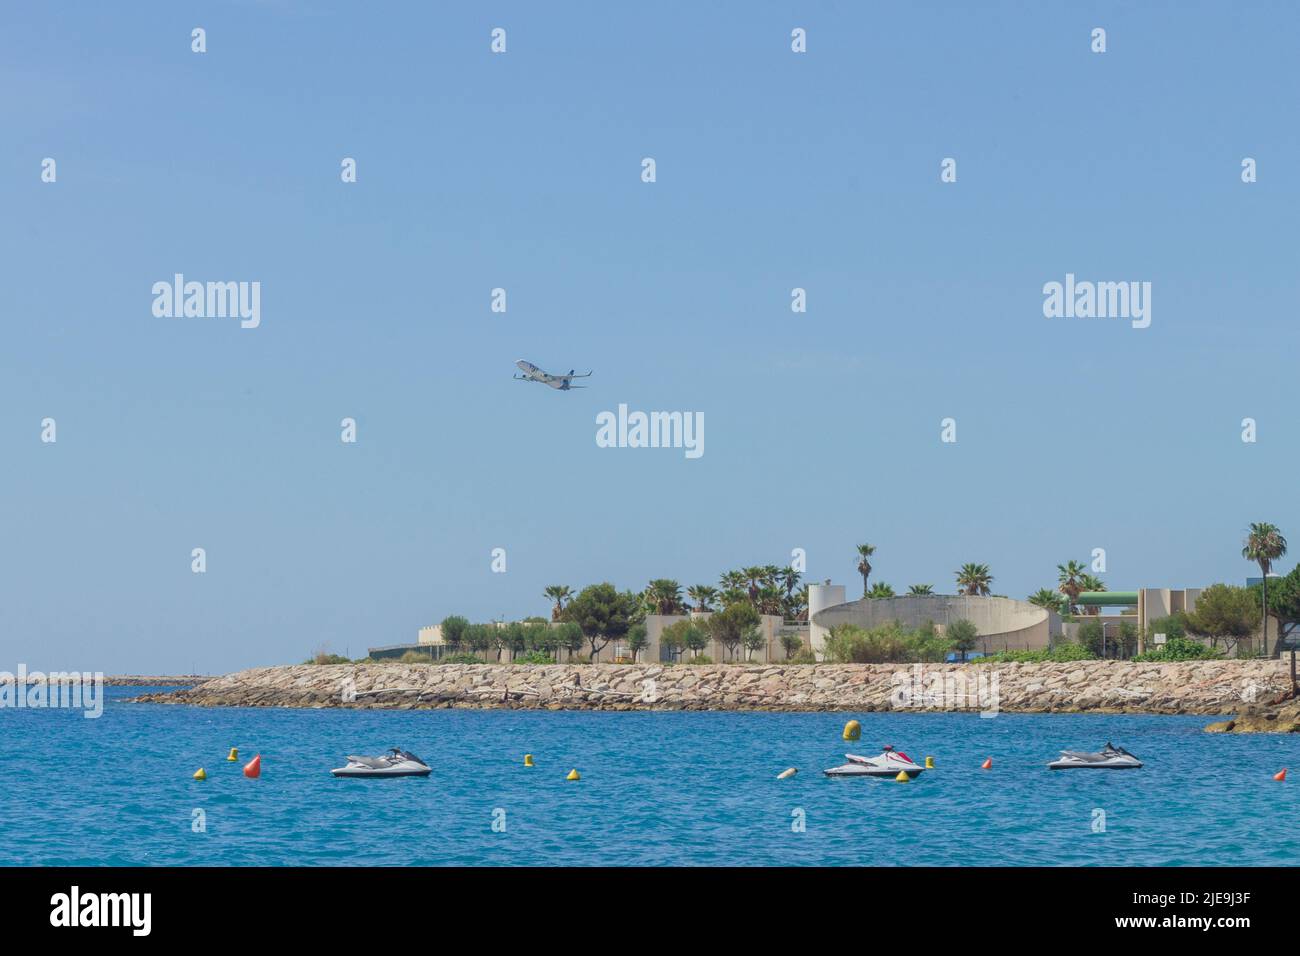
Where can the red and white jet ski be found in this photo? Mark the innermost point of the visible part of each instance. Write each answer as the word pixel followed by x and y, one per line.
pixel 888 764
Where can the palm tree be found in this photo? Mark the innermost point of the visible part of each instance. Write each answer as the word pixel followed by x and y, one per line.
pixel 731 579
pixel 1070 576
pixel 879 591
pixel 729 596
pixel 1264 544
pixel 663 596
pixel 558 593
pixel 702 595
pixel 1047 598
pixel 920 589
pixel 1089 583
pixel 865 551
pixel 753 577
pixel 789 579
pixel 974 579
pixel 769 600
pixel 796 606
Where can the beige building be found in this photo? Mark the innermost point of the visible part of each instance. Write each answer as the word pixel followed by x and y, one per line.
pixel 770 626
pixel 1004 624
pixel 1145 605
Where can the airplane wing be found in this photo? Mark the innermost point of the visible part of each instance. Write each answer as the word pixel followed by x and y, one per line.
pixel 583 375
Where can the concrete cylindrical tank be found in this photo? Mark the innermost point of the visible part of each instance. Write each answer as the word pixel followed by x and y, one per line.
pixel 820 597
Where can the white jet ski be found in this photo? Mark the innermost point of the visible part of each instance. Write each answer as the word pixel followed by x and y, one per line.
pixel 1110 758
pixel 395 763
pixel 888 764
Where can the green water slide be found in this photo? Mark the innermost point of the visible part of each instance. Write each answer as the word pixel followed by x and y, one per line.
pixel 1107 599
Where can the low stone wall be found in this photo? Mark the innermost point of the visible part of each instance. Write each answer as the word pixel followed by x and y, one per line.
pixel 1193 687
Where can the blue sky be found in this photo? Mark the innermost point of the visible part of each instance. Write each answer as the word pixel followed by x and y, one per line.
pixel 522 171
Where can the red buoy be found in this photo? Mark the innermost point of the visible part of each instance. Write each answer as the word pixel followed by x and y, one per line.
pixel 254 767
pixel 1280 775
pixel 987 764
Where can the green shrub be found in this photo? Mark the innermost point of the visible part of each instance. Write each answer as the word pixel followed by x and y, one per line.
pixel 320 657
pixel 1173 627
pixel 416 657
pixel 962 636
pixel 453 631
pixel 1059 654
pixel 1179 649
pixel 460 659
pixel 700 659
pixel 889 643
pixel 534 657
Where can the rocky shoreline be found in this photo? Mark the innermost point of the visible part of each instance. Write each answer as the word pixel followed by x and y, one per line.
pixel 137 680
pixel 1272 718
pixel 1191 687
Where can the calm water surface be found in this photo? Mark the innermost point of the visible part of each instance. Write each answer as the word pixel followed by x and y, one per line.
pixel 656 788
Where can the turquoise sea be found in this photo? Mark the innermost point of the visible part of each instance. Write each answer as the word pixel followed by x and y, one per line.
pixel 656 789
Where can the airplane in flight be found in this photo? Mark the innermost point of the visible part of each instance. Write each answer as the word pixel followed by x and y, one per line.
pixel 534 374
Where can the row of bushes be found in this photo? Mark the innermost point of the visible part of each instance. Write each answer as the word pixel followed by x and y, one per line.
pixel 893 644
pixel 538 642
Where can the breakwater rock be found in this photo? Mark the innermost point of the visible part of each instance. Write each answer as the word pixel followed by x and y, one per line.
pixel 1273 718
pixel 139 680
pixel 1191 687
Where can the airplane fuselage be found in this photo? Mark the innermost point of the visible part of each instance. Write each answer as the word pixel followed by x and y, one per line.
pixel 534 374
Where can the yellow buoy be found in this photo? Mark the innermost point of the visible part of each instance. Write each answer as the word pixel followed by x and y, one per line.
pixel 852 730
pixel 903 777
pixel 573 775
pixel 234 753
pixel 929 763
pixel 528 760
pixel 786 774
pixel 200 775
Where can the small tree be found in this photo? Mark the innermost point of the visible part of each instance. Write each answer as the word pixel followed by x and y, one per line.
pixel 672 639
pixel 537 638
pixel 1092 636
pixel 637 639
pixel 680 635
pixel 1283 605
pixel 479 637
pixel 453 631
pixel 569 637
pixel 792 644
pixel 604 613
pixel 1128 638
pixel 730 625
pixel 1224 613
pixel 963 635
pixel 696 638
pixel 1173 627
pixel 753 640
